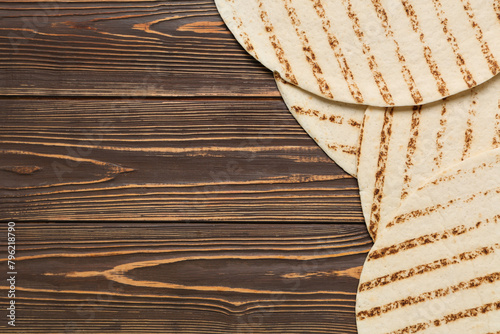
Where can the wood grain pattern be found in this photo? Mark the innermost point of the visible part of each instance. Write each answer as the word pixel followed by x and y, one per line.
pixel 187 278
pixel 150 110
pixel 134 48
pixel 188 159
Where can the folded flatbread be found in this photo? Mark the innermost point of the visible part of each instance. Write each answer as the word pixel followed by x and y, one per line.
pixel 373 52
pixel 335 126
pixel 436 266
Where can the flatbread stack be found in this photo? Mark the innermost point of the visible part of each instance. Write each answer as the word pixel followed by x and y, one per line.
pixel 404 95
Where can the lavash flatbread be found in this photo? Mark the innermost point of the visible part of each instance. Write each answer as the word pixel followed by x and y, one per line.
pixel 373 52
pixel 436 266
pixel 402 147
pixel 335 126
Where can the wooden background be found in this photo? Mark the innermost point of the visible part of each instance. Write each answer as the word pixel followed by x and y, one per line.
pixel 150 111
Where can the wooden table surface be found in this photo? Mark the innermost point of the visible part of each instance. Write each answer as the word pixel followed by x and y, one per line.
pixel 158 182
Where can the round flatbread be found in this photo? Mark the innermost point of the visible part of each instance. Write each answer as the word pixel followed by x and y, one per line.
pixel 402 147
pixel 373 52
pixel 335 126
pixel 436 266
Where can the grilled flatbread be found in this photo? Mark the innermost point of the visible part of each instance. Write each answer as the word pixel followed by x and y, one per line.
pixel 335 126
pixel 373 52
pixel 436 266
pixel 402 147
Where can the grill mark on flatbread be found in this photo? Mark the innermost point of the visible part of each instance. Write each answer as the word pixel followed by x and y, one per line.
pixel 428 267
pixel 433 67
pixel 410 150
pixel 248 45
pixel 469 132
pixel 461 172
pixel 429 239
pixel 278 49
pixel 372 63
pixel 278 77
pixel 337 119
pixel 496 136
pixel 308 51
pixel 496 7
pixel 348 149
pixel 488 56
pixel 339 54
pixel 400 219
pixel 439 136
pixel 244 36
pixel 361 134
pixel 469 313
pixel 378 195
pixel 382 15
pixel 468 140
pixel 467 76
pixel 354 123
pixel 430 295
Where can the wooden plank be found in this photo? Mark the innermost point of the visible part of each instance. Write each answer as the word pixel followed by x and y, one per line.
pixel 186 278
pixel 137 48
pixel 174 159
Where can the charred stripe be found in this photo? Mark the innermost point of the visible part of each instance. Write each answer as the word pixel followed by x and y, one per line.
pixel 469 132
pixel 469 313
pixel 433 67
pixel 439 136
pixel 429 239
pixel 337 119
pixel 467 76
pixel 372 63
pixel 348 149
pixel 278 49
pixel 496 7
pixel 496 137
pixel 427 268
pixel 361 134
pixel 337 50
pixel 378 192
pixel 244 36
pixel 410 149
pixel 430 295
pixel 488 56
pixel 308 51
pixel 402 218
pixel 382 15
pixel 459 172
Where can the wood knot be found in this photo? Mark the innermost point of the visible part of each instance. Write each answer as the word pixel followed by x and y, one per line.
pixel 205 27
pixel 21 170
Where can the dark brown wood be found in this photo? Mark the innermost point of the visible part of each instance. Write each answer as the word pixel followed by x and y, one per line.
pixel 115 48
pixel 186 278
pixel 150 110
pixel 174 159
